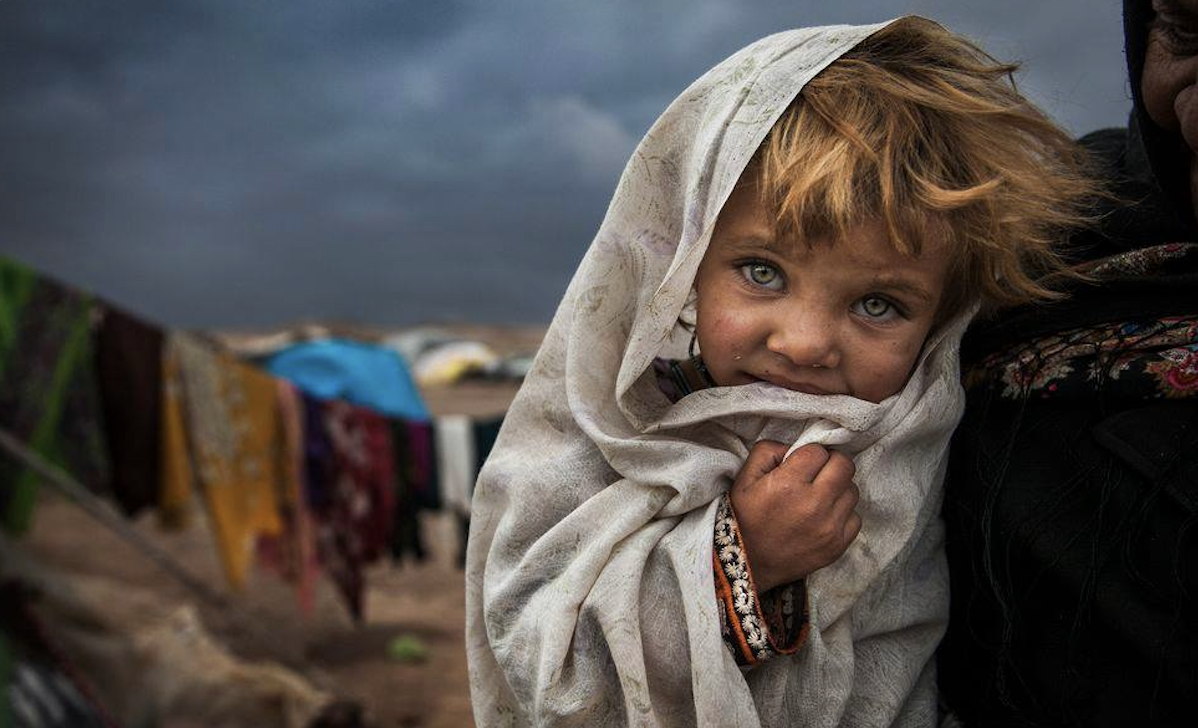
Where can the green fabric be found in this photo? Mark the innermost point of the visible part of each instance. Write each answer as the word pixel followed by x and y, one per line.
pixel 16 283
pixel 48 395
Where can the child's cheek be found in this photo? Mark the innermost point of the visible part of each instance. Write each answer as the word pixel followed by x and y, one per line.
pixel 888 368
pixel 733 330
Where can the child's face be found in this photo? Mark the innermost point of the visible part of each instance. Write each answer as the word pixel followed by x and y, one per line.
pixel 849 318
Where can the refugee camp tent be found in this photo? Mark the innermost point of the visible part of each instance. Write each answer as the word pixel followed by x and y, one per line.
pixel 364 374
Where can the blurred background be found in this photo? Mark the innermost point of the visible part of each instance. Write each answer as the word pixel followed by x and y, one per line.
pixel 249 163
pixel 378 201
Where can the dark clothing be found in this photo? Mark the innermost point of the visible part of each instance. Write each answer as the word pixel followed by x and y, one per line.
pixel 129 372
pixel 407 537
pixel 1072 489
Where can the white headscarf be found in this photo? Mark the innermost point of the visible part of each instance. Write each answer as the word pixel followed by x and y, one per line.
pixel 590 597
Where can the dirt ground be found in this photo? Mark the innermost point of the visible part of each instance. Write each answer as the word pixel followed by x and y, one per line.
pixel 423 600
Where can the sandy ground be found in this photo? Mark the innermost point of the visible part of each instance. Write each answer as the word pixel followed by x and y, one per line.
pixel 425 600
pixel 264 622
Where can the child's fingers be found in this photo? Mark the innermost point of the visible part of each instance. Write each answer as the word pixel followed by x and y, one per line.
pixel 836 474
pixel 805 463
pixel 852 527
pixel 846 502
pixel 764 457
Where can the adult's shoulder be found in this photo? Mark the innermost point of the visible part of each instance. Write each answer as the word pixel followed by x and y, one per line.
pixel 1133 212
pixel 1132 215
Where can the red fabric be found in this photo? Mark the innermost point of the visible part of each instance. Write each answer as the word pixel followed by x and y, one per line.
pixel 292 554
pixel 356 527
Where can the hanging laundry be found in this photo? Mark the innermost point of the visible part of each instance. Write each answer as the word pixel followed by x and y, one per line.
pixel 228 415
pixel 425 479
pixel 48 395
pixel 320 462
pixel 292 553
pixel 129 373
pixel 407 538
pixel 486 431
pixel 176 478
pixel 363 374
pixel 457 463
pixel 355 528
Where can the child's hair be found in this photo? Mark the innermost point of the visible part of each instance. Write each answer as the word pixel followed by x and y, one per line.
pixel 922 130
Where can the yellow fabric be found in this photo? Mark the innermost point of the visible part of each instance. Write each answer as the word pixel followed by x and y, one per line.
pixel 222 429
pixel 176 479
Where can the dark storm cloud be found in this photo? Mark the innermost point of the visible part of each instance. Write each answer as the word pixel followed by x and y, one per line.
pixel 250 162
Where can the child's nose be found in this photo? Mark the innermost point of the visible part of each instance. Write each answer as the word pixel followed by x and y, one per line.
pixel 806 339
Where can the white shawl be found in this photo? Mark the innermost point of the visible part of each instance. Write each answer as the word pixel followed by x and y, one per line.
pixel 589 589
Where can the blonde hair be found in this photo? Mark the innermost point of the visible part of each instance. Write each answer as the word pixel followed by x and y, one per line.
pixel 922 130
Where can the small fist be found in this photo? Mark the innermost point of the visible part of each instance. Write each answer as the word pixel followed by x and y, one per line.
pixel 795 515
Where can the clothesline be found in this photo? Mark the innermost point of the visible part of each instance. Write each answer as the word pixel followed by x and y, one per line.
pixel 102 513
pixel 159 418
pixel 249 625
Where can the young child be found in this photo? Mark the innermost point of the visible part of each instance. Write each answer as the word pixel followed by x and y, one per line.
pixel 816 220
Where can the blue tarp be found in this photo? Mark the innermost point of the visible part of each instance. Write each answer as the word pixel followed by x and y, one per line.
pixel 368 375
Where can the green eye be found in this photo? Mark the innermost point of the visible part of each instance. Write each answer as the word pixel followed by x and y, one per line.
pixel 761 274
pixel 876 307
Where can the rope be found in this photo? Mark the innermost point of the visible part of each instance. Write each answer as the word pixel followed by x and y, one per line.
pixel 99 510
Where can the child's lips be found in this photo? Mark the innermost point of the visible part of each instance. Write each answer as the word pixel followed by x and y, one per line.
pixel 792 385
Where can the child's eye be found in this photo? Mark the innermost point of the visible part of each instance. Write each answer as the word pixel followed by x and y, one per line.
pixel 876 308
pixel 762 274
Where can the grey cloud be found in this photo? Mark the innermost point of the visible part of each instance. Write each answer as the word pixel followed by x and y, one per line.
pixel 250 162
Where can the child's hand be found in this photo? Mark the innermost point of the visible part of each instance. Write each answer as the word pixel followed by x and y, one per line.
pixel 795 516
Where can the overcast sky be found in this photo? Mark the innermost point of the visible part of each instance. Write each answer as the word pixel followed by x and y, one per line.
pixel 254 162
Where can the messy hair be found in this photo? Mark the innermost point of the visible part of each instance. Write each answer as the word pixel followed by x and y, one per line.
pixel 923 131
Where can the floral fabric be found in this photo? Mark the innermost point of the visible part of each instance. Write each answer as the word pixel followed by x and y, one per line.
pixel 756 627
pixel 354 526
pixel 222 432
pixel 1136 359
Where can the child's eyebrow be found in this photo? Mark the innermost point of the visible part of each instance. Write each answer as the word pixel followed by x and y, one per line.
pixel 900 284
pixel 753 242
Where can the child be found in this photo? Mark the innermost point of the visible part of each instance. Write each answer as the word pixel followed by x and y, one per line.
pixel 819 216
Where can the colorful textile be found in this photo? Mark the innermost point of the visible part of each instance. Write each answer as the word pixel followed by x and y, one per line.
pixel 1070 498
pixel 756 627
pixel 176 479
pixel 355 527
pixel 129 371
pixel 1143 359
pixel 426 480
pixel 222 431
pixel 292 553
pixel 363 374
pixel 48 396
